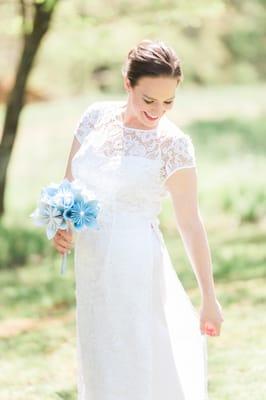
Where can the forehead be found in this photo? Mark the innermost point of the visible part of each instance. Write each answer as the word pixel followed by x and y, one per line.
pixel 161 87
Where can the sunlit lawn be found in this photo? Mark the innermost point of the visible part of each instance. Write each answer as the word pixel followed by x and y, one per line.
pixel 38 337
pixel 37 327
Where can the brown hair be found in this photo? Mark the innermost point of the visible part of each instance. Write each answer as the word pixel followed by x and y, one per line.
pixel 151 58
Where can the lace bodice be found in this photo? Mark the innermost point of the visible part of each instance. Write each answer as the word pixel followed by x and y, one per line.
pixel 131 165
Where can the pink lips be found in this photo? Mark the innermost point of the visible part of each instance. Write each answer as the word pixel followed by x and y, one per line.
pixel 150 118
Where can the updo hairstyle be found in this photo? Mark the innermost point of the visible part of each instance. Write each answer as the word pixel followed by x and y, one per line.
pixel 151 58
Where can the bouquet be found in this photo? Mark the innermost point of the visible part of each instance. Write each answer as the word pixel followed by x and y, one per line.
pixel 66 205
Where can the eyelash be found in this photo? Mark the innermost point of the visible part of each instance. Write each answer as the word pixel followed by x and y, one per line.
pixel 149 102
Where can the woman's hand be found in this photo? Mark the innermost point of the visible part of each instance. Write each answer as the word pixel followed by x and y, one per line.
pixel 211 317
pixel 63 241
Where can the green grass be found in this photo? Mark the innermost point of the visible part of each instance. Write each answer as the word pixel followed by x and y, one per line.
pixel 38 336
pixel 37 327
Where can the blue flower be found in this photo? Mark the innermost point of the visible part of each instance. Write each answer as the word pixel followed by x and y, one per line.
pixel 64 196
pixel 82 213
pixel 48 193
pixel 49 216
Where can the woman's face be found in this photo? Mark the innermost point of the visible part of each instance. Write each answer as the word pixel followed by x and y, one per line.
pixel 149 100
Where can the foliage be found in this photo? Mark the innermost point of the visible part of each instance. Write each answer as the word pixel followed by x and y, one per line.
pixel 217 41
pixel 246 202
pixel 20 246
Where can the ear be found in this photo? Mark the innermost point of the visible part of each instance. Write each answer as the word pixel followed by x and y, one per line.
pixel 127 85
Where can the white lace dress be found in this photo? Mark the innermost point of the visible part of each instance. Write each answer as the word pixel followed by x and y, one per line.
pixel 138 334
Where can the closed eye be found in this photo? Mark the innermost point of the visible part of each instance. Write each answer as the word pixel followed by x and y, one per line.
pixel 151 101
pixel 148 101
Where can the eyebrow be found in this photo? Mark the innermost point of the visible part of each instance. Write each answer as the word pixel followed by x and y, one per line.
pixel 156 99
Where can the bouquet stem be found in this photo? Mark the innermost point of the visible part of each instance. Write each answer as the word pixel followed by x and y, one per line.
pixel 64 257
pixel 63 264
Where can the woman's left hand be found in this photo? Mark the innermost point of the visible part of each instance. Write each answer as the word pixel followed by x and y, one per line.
pixel 211 317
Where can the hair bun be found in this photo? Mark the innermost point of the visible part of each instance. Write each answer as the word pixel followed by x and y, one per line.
pixel 151 58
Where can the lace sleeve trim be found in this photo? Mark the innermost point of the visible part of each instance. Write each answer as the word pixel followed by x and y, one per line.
pixel 177 153
pixel 87 122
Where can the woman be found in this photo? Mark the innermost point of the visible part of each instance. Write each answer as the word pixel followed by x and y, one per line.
pixel 138 335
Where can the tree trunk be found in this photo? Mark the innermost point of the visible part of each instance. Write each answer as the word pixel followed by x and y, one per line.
pixel 15 101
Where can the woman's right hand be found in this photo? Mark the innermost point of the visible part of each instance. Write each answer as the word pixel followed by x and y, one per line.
pixel 211 317
pixel 63 241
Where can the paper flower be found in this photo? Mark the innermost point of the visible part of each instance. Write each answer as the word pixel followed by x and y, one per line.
pixel 83 214
pixel 66 205
pixel 49 216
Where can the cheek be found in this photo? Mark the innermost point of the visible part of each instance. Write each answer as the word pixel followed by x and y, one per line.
pixel 168 106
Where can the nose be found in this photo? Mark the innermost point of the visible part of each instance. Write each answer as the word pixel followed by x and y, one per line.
pixel 157 110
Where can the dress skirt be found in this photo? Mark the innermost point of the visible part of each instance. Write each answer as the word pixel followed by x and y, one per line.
pixel 138 334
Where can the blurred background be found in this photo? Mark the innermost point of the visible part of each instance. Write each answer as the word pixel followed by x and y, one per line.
pixel 56 58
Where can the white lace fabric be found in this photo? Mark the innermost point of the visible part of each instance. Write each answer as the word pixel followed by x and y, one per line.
pixel 167 143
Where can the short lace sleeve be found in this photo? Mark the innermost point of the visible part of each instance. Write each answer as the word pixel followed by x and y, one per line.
pixel 177 152
pixel 86 122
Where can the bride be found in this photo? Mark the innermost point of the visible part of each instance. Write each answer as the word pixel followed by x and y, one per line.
pixel 138 335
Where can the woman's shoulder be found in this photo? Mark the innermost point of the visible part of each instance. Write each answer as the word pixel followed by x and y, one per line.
pixel 96 114
pixel 177 148
pixel 100 110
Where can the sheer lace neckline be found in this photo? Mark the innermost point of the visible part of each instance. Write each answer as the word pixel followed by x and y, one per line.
pixel 120 121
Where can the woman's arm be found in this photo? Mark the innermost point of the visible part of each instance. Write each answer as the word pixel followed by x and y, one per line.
pixel 63 239
pixel 74 148
pixel 183 188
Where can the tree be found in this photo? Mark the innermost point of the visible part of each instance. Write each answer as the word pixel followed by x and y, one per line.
pixel 34 29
